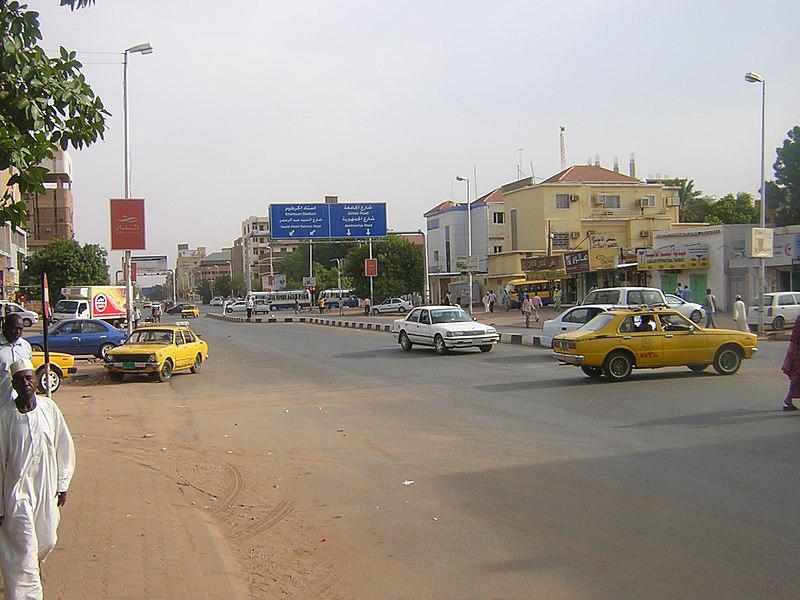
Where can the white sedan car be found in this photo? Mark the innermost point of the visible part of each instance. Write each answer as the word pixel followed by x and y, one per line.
pixel 392 305
pixel 238 306
pixel 445 328
pixel 690 310
pixel 569 320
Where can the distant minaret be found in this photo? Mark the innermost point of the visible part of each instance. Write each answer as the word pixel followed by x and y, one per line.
pixel 563 149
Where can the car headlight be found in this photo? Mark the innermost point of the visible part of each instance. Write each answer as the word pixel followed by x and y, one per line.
pixel 151 358
pixel 108 358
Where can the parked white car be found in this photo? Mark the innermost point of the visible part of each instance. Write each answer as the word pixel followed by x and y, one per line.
pixel 238 306
pixel 692 310
pixel 392 305
pixel 445 328
pixel 625 296
pixel 28 316
pixel 216 301
pixel 569 320
pixel 780 309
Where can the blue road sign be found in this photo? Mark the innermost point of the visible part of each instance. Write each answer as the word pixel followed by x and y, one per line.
pixel 327 221
pixel 300 221
pixel 358 220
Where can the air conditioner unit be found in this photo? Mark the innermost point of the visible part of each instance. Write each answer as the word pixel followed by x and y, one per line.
pixel 574 198
pixel 673 201
pixel 644 233
pixel 575 235
pixel 646 202
pixel 598 200
pixel 608 212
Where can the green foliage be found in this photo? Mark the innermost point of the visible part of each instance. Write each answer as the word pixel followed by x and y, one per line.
pixel 66 263
pixel 73 4
pixel 45 103
pixel 295 266
pixel 238 287
pixel 692 202
pixel 401 269
pixel 733 209
pixel 222 286
pixel 204 289
pixel 784 194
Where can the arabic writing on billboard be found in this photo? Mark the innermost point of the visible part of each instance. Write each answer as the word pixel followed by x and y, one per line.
pixel 127 224
pixel 672 257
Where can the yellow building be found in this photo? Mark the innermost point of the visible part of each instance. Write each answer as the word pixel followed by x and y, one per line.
pixel 583 208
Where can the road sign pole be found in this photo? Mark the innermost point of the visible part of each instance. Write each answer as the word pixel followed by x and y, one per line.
pixel 371 279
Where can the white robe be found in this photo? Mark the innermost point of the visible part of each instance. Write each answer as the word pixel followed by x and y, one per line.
pixel 37 458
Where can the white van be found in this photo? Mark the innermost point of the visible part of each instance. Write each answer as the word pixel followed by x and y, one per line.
pixel 780 308
pixel 625 296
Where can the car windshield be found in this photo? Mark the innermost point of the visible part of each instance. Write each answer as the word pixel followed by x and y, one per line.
pixel 450 315
pixel 598 322
pixel 67 306
pixel 150 336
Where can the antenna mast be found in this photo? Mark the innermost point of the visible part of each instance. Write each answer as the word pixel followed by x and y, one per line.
pixel 563 149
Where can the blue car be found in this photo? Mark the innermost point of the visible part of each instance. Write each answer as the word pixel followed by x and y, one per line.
pixel 80 336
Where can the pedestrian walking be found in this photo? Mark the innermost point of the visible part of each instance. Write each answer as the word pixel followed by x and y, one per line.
pixel 526 307
pixel 678 291
pixel 791 367
pixel 492 300
pixel 740 314
pixel 137 316
pixel 448 299
pixel 367 305
pixel 520 299
pixel 686 293
pixel 557 299
pixel 505 300
pixel 536 304
pixel 711 309
pixel 486 302
pixel 12 349
pixel 321 304
pixel 38 460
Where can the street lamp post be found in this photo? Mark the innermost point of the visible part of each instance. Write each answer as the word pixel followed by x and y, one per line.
pixel 469 241
pixel 751 77
pixel 339 273
pixel 145 48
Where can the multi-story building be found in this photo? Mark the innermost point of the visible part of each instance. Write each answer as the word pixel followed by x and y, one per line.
pixel 50 213
pixel 187 267
pixel 13 248
pixel 261 255
pixel 214 265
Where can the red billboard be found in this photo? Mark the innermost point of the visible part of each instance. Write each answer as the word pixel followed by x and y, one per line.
pixel 127 224
pixel 370 267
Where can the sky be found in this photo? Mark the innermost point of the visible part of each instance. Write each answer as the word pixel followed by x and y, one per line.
pixel 249 103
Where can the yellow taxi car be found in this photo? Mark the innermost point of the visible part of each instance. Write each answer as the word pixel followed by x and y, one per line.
pixel 190 310
pixel 61 366
pixel 158 350
pixel 620 340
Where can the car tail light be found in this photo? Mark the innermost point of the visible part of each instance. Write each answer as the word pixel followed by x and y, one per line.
pixel 769 311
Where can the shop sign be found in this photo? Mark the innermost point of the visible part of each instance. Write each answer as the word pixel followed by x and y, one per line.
pixel 673 257
pixel 603 258
pixel 576 262
pixel 542 263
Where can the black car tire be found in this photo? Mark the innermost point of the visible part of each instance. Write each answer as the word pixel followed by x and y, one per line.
pixel 165 372
pixel 439 345
pixel 593 372
pixel 401 310
pixel 405 343
pixel 376 311
pixel 728 360
pixel 36 348
pixel 41 380
pixel 618 366
pixel 486 347
pixel 103 351
pixel 198 364
pixel 697 368
pixel 696 316
pixel 116 376
pixel 779 323
pixel 27 322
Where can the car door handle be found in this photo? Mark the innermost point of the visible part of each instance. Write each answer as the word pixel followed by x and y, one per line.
pixel 669 335
pixel 627 337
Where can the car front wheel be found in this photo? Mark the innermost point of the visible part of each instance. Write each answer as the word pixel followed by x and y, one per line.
pixel 618 366
pixel 104 350
pixel 486 348
pixel 728 360
pixel 166 371
pixel 439 345
pixel 405 343
pixel 696 316
pixel 37 348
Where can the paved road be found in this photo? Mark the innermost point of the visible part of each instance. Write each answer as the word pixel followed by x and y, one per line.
pixel 335 465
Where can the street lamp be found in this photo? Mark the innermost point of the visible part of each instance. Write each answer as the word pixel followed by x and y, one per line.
pixel 145 48
pixel 469 241
pixel 751 77
pixel 339 272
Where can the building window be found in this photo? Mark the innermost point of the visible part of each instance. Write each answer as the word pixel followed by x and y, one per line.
pixel 498 218
pixel 561 240
pixel 610 201
pixel 562 200
pixel 433 224
pixel 497 249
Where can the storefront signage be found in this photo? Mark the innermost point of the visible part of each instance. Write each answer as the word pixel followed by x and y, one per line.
pixel 576 262
pixel 672 257
pixel 542 263
pixel 603 259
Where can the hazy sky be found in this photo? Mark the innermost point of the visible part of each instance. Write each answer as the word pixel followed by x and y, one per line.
pixel 248 103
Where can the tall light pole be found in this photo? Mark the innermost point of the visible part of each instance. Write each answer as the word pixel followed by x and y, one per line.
pixel 145 48
pixel 469 241
pixel 751 77
pixel 339 273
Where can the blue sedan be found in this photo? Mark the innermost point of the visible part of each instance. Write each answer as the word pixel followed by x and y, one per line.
pixel 80 336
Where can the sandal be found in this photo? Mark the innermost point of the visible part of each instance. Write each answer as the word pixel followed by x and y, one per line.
pixel 789 407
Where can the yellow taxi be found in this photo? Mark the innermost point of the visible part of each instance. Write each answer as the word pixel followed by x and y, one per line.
pixel 158 350
pixel 190 310
pixel 61 366
pixel 620 340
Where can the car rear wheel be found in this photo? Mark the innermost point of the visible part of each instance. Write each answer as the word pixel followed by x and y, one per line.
pixel 401 310
pixel 41 380
pixel 728 360
pixel 618 366
pixel 486 348
pixel 778 323
pixel 36 348
pixel 593 372
pixel 696 316
pixel 116 376
pixel 198 364
pixel 405 343
pixel 439 345
pixel 103 352
pixel 697 368
pixel 166 371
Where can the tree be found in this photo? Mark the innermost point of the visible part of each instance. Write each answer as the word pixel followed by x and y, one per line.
pixel 66 263
pixel 238 287
pixel 45 104
pixel 401 269
pixel 691 200
pixel 222 286
pixel 733 209
pixel 295 266
pixel 204 289
pixel 784 194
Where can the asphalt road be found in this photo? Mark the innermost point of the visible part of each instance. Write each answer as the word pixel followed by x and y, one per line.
pixel 504 475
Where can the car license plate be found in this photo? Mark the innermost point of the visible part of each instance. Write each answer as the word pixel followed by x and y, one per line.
pixel 128 365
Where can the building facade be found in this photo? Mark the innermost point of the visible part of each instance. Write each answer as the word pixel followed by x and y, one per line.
pixel 50 214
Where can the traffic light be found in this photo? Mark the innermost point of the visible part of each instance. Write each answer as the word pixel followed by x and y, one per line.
pixel 314 289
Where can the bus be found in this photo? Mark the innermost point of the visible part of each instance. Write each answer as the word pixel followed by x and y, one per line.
pixel 332 298
pixel 542 286
pixel 264 302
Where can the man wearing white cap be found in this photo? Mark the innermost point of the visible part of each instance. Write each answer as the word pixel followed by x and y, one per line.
pixel 37 460
pixel 12 349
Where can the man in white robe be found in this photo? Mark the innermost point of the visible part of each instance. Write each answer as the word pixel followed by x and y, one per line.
pixel 37 458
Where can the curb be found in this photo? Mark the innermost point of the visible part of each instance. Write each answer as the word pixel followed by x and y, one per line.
pixel 505 338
